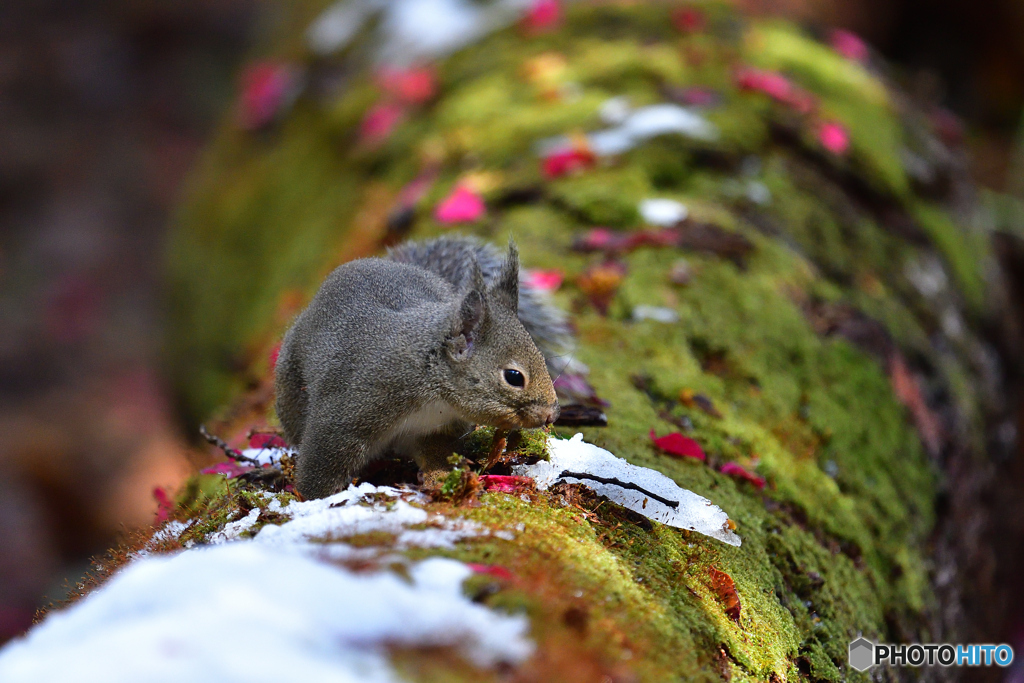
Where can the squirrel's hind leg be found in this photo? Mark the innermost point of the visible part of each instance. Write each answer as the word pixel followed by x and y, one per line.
pixel 432 453
pixel 331 455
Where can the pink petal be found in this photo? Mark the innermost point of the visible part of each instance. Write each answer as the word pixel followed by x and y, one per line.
pixel 463 205
pixel 164 504
pixel 415 85
pixel 833 137
pixel 542 16
pixel 689 20
pixel 678 445
pixel 849 45
pixel 379 122
pixel 267 441
pixel 494 570
pixel 776 86
pixel 544 280
pixel 229 469
pixel 267 88
pixel 274 353
pixel 738 471
pixel 567 161
pixel 504 483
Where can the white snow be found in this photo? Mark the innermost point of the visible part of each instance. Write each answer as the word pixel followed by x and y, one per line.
pixel 411 30
pixel 659 314
pixel 636 127
pixel 249 612
pixel 693 512
pixel 275 607
pixel 664 212
pixel 268 455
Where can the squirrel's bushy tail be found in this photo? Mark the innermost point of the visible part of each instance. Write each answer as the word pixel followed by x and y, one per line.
pixel 453 257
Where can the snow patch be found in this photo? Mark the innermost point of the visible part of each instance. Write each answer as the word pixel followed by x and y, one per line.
pixel 250 612
pixel 640 489
pixel 411 30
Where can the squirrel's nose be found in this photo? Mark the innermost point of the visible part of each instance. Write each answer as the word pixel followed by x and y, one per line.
pixel 552 415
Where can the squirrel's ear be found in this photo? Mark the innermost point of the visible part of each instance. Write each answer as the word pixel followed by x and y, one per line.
pixel 468 320
pixel 506 287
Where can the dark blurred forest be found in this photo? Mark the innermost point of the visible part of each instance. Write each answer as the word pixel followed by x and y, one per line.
pixel 104 108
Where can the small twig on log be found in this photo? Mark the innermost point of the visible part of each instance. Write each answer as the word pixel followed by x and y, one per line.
pixel 621 484
pixel 232 453
pixel 497 448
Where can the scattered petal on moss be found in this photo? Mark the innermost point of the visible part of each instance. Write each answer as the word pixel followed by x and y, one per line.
pixel 542 16
pixel 689 20
pixel 544 280
pixel 678 445
pixel 497 571
pixel 268 88
pixel 380 122
pixel 503 483
pixel 600 283
pixel 463 205
pixel 849 45
pixel 164 505
pixel 738 471
pixel 908 391
pixel 776 86
pixel 267 440
pixel 834 137
pixel 229 469
pixel 575 388
pixel 567 161
pixel 414 85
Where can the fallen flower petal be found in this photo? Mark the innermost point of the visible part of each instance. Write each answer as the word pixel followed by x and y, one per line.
pixel 463 205
pixel 776 86
pixel 230 469
pixel 267 440
pixel 544 280
pixel 834 137
pixel 504 483
pixel 542 16
pixel 415 85
pixel 849 45
pixel 497 571
pixel 734 470
pixel 267 88
pixel 689 20
pixel 380 121
pixel 678 445
pixel 568 161
pixel 164 504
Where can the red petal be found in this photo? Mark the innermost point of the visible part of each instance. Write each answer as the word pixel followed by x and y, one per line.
pixel 833 137
pixel 379 122
pixel 504 483
pixel 494 570
pixel 415 85
pixel 267 441
pixel 543 16
pixel 849 45
pixel 463 205
pixel 678 445
pixel 544 280
pixel 734 470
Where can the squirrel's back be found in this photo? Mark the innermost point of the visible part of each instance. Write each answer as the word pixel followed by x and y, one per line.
pixel 453 258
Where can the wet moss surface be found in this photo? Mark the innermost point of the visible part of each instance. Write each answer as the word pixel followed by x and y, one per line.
pixel 837 544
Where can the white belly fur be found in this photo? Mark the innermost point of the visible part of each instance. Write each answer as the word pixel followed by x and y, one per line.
pixel 428 419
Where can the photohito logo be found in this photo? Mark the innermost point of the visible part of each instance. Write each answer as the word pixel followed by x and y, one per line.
pixel 864 654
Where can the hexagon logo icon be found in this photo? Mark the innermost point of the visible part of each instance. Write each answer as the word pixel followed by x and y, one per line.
pixel 862 654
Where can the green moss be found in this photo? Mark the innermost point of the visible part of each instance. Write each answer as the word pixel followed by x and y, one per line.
pixel 837 543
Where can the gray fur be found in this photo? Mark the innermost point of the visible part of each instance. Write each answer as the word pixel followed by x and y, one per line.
pixel 392 356
pixel 453 258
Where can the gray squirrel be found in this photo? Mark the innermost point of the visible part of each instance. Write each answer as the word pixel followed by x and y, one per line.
pixel 405 354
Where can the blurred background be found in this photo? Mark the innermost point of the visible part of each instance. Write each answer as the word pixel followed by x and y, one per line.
pixel 104 108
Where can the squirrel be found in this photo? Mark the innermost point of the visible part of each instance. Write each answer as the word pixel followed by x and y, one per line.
pixel 406 353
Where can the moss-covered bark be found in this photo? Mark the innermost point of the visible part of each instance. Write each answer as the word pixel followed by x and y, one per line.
pixel 840 351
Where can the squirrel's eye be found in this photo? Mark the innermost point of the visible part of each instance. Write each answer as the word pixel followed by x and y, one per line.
pixel 515 378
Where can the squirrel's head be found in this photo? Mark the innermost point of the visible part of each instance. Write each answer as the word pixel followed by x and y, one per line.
pixel 498 376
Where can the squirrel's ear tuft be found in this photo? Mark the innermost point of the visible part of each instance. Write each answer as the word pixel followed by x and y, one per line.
pixel 506 287
pixel 468 321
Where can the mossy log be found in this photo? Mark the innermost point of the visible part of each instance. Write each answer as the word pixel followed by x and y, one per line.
pixel 831 326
